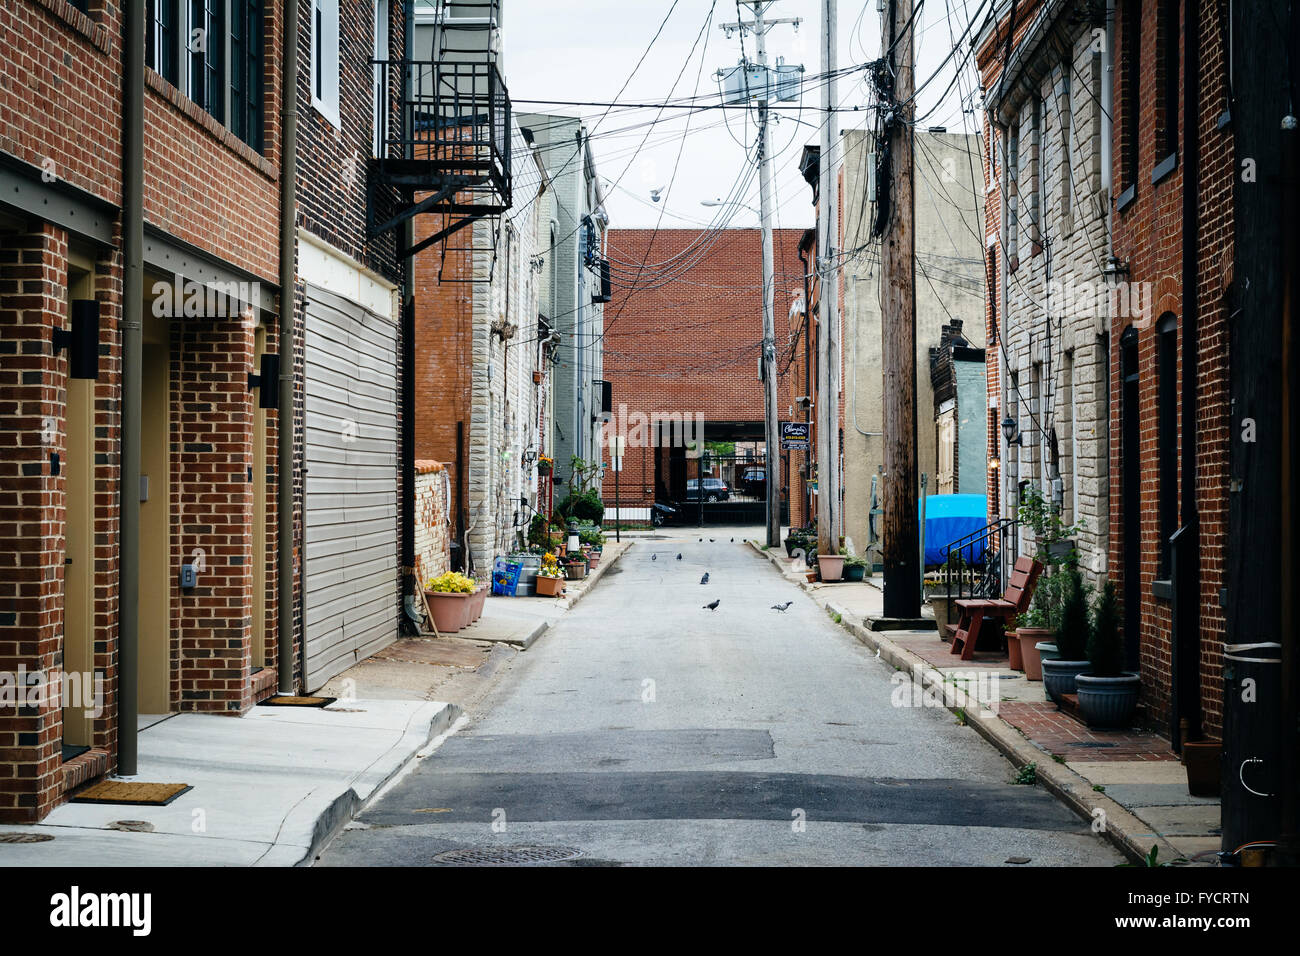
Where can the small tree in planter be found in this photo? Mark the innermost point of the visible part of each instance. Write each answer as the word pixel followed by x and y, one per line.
pixel 1054 538
pixel 1070 622
pixel 1108 693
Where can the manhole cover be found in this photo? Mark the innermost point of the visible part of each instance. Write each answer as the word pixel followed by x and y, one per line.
pixel 132 826
pixel 25 838
pixel 506 855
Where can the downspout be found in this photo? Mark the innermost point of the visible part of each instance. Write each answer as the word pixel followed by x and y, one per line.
pixel 807 379
pixel 1188 593
pixel 132 344
pixel 288 348
pixel 406 316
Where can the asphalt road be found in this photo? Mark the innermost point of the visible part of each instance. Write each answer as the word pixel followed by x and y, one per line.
pixel 646 729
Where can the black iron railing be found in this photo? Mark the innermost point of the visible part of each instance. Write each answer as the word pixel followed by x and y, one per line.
pixel 449 125
pixel 978 565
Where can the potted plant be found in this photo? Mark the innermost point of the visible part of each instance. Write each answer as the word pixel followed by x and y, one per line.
pixel 575 566
pixel 1070 619
pixel 1108 694
pixel 474 606
pixel 544 465
pixel 855 568
pixel 1031 633
pixel 1203 760
pixel 448 596
pixel 550 579
pixel 831 566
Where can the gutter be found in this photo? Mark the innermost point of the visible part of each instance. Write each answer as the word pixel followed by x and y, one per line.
pixel 128 648
pixel 288 349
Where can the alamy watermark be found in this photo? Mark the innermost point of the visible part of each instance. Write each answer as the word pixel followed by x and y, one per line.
pixel 54 688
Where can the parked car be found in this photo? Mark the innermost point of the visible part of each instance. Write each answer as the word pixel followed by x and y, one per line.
pixel 753 481
pixel 661 514
pixel 715 489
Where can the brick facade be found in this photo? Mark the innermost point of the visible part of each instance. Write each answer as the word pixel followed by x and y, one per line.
pixel 691 346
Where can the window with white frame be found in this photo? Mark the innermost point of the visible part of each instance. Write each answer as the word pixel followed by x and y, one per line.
pixel 325 58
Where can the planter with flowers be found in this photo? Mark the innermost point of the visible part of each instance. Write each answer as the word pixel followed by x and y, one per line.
pixel 550 578
pixel 449 596
pixel 575 566
pixel 544 465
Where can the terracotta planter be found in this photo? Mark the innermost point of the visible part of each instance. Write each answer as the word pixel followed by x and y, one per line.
pixel 593 558
pixel 448 609
pixel 1029 638
pixel 538 377
pixel 811 576
pixel 1203 760
pixel 475 604
pixel 549 587
pixel 1015 657
pixel 831 566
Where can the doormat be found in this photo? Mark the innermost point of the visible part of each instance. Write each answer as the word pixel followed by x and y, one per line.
pixel 134 794
pixel 297 702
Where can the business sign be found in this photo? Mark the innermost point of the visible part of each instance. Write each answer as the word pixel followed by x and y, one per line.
pixel 794 436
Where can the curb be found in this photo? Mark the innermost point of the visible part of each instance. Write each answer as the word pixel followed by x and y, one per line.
pixel 1125 831
pixel 345 808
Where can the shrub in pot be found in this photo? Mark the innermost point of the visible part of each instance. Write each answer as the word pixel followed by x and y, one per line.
pixel 1070 617
pixel 855 568
pixel 1108 694
pixel 448 596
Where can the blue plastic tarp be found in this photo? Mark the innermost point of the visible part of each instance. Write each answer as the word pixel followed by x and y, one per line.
pixel 948 519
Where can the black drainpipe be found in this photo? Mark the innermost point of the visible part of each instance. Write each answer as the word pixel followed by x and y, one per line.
pixel 1187 596
pixel 128 648
pixel 285 418
pixel 807 380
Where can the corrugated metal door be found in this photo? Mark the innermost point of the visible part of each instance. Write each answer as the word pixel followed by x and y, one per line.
pixel 350 510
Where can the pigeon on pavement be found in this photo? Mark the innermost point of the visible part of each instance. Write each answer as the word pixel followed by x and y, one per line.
pixel 705 579
pixel 713 606
pixel 654 557
pixel 782 607
pixel 679 555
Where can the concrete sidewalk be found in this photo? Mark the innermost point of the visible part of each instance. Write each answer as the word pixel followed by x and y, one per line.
pixel 269 789
pixel 1129 781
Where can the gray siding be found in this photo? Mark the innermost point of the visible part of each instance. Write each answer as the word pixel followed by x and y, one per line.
pixel 350 513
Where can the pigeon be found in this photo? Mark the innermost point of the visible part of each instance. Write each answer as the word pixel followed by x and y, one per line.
pixel 782 607
pixel 713 606
pixel 701 539
pixel 710 541
pixel 654 557
pixel 705 579
pixel 679 555
pixel 733 540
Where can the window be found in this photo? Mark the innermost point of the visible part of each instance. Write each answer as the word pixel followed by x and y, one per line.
pixel 205 43
pixel 160 40
pixel 1131 70
pixel 247 67
pixel 325 58
pixel 1036 178
pixel 1167 138
pixel 1066 114
pixel 1013 198
pixel 1167 433
pixel 213 51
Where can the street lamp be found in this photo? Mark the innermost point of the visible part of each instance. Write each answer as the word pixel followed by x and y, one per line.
pixel 719 202
pixel 1011 431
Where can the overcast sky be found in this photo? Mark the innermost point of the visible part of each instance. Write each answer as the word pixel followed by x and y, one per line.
pixel 584 50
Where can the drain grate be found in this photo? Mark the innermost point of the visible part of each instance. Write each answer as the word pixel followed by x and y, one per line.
pixel 132 826
pixel 25 837
pixel 506 855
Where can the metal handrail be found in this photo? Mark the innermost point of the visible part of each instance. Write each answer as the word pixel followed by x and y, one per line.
pixel 985 577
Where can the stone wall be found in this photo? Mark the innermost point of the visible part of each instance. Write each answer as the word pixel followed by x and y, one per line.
pixel 432 532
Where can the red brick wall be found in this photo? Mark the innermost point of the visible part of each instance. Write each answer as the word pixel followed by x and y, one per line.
pixel 32 532
pixel 1148 235
pixel 691 345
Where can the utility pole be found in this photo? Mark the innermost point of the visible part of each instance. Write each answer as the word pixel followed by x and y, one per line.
pixel 898 345
pixel 771 431
pixel 829 519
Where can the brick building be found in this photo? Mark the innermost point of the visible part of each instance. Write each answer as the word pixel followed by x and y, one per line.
pixel 682 342
pixel 210 569
pixel 1109 386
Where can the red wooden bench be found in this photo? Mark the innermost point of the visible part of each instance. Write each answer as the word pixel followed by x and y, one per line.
pixel 1014 601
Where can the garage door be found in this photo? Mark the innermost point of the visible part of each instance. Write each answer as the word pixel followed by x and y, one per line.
pixel 350 508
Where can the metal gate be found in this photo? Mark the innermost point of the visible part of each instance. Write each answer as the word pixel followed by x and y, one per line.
pixel 350 508
pixel 729 489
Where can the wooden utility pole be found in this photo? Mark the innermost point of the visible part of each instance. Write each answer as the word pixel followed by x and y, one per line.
pixel 829 519
pixel 898 320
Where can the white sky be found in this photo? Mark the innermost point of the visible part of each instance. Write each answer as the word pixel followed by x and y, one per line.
pixel 584 50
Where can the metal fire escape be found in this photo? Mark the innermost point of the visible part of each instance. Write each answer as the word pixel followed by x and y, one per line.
pixel 443 145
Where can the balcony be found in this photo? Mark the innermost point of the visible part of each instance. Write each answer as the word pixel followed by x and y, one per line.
pixel 442 144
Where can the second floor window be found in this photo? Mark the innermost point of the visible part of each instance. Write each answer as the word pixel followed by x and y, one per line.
pixel 213 52
pixel 325 58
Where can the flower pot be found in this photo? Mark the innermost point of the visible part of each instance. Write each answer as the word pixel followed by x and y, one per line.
pixel 538 377
pixel 476 602
pixel 1015 660
pixel 945 613
pixel 1047 649
pixel 1108 701
pixel 549 587
pixel 811 575
pixel 855 572
pixel 593 558
pixel 1203 760
pixel 832 566
pixel 448 610
pixel 1059 677
pixel 575 571
pixel 1030 640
